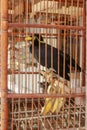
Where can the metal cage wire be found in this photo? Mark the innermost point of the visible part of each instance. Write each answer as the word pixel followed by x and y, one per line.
pixel 40 90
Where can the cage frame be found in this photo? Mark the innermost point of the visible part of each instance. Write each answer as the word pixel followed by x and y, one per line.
pixel 4 45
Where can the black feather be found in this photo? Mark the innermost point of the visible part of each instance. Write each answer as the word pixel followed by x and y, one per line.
pixel 40 48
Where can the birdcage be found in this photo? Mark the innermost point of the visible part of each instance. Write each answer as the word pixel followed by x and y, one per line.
pixel 43 64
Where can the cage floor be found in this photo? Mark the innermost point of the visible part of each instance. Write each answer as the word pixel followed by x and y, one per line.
pixel 25 114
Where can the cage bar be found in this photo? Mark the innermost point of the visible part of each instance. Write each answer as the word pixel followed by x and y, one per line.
pixel 3 70
pixel 84 41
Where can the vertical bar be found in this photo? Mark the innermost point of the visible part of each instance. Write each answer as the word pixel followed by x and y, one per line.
pixel 86 71
pixel 84 43
pixel 4 44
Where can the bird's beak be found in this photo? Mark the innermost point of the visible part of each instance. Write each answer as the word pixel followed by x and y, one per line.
pixel 28 38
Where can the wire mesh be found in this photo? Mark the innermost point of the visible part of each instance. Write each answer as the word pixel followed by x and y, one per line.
pixel 25 118
pixel 59 14
pixel 46 64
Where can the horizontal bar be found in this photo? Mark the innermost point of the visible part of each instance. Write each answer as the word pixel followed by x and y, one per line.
pixel 21 25
pixel 41 117
pixel 12 95
pixel 18 72
pixel 68 1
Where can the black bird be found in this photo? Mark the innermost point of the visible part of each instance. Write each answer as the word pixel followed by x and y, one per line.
pixel 45 53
